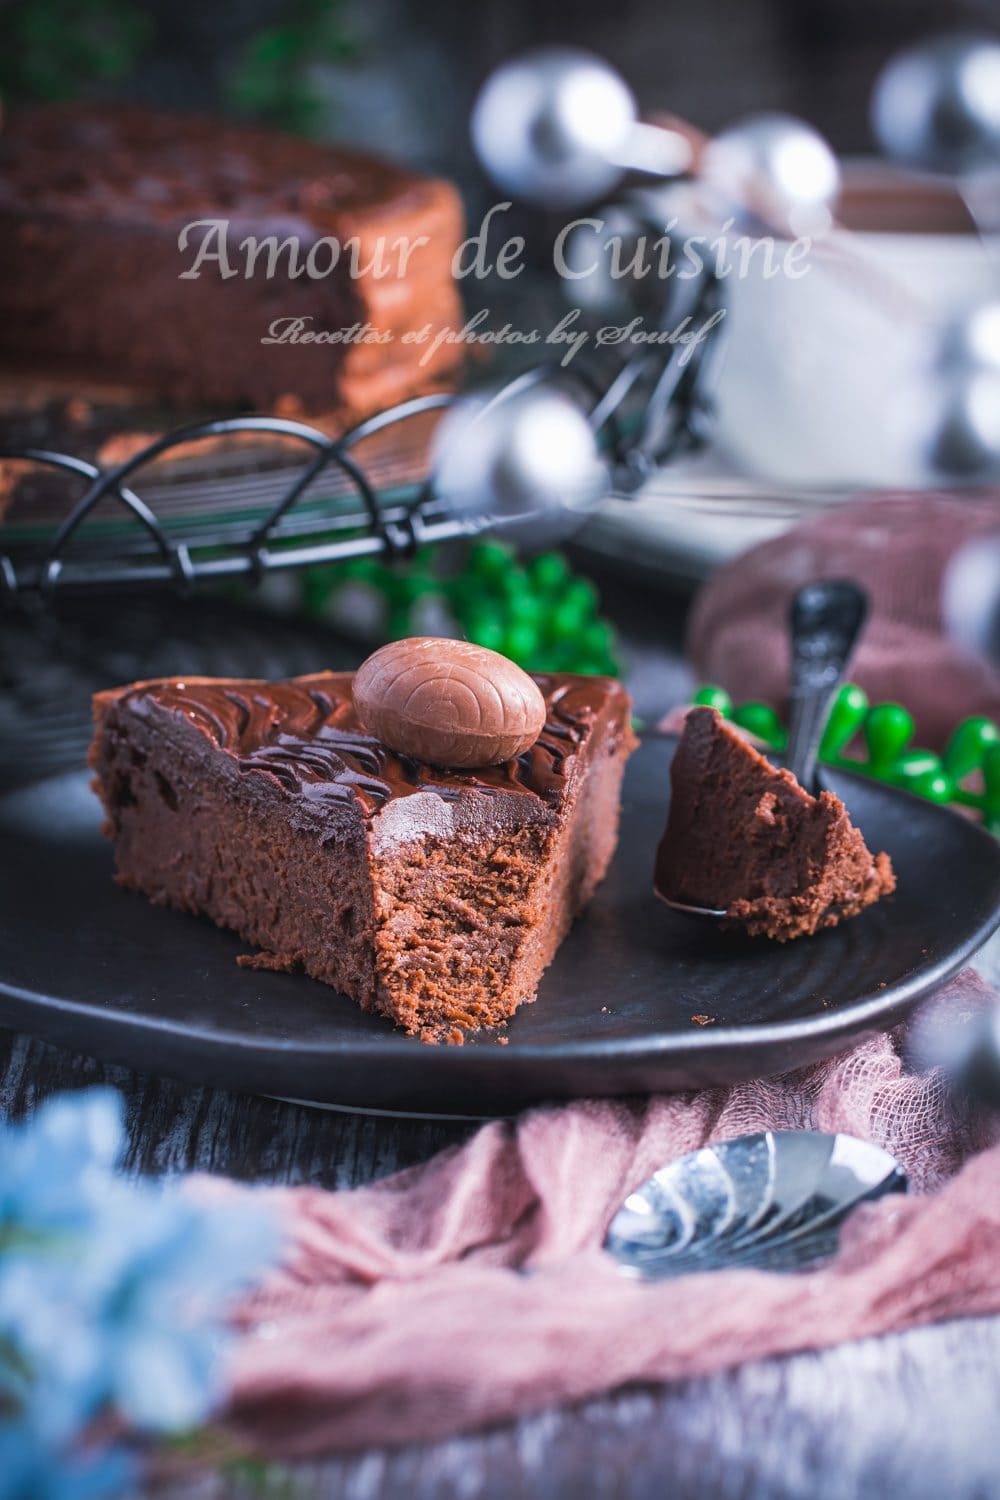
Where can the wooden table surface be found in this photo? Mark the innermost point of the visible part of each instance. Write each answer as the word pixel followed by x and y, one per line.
pixel 914 1416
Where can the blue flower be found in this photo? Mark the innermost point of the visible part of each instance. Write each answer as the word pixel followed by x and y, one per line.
pixel 113 1295
pixel 162 1280
pixel 30 1469
pixel 54 1169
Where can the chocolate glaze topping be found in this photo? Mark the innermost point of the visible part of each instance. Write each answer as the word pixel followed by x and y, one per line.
pixel 305 733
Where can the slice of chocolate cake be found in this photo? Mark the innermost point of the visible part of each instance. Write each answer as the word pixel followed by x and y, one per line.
pixel 434 896
pixel 747 839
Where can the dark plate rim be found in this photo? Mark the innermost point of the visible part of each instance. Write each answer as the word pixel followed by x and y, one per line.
pixel 393 1046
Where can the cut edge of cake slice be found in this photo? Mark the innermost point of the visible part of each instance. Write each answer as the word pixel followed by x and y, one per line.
pixel 744 837
pixel 435 898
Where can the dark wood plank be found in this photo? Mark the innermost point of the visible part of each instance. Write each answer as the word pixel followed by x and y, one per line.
pixel 911 1416
pixel 173 1127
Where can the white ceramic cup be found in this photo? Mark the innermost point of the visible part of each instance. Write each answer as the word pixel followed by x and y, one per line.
pixel 828 377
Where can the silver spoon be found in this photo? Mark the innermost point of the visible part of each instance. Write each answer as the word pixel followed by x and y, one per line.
pixel 773 1201
pixel 825 621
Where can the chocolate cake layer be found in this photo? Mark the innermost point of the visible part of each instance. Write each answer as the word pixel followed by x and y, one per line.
pixel 745 838
pixel 93 200
pixel 436 897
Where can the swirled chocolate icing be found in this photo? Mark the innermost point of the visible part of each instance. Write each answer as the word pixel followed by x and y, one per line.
pixel 305 733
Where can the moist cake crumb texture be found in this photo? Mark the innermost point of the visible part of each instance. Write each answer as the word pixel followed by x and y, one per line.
pixel 436 897
pixel 745 838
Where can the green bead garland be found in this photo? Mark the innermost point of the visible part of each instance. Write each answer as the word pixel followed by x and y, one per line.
pixel 539 613
pixel 886 731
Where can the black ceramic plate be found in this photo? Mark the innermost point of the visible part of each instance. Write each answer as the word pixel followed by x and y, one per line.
pixel 91 967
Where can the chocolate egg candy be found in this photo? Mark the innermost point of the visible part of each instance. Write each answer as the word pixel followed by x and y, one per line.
pixel 448 702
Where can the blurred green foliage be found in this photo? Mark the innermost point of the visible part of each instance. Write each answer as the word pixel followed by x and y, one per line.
pixel 64 49
pixel 57 49
pixel 273 79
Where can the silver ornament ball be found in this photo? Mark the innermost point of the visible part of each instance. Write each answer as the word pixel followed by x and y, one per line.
pixel 937 104
pixel 983 1070
pixel 964 441
pixel 773 170
pixel 552 126
pixel 970 597
pixel 971 341
pixel 527 455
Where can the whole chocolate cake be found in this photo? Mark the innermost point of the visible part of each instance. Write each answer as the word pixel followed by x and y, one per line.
pixel 434 896
pixel 100 275
pixel 745 838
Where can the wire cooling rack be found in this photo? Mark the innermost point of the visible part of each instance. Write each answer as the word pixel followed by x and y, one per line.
pixel 306 497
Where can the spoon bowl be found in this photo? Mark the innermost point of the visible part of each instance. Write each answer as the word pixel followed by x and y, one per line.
pixel 771 1201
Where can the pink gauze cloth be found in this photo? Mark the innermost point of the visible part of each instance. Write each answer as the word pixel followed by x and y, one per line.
pixel 473 1288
